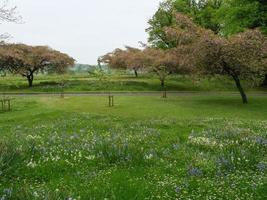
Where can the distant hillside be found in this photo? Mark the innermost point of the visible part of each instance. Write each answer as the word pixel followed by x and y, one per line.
pixel 81 68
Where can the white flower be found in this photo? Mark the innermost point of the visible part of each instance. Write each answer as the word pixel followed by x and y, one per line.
pixel 31 164
pixel 90 157
pixel 149 157
pixel 35 194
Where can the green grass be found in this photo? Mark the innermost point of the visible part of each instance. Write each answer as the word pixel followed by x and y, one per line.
pixel 188 147
pixel 85 83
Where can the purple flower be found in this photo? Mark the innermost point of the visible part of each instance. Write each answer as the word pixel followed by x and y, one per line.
pixel 261 140
pixel 177 189
pixel 224 163
pixel 261 166
pixel 193 171
pixel 176 146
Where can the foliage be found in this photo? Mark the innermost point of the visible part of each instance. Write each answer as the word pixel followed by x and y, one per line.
pixel 240 56
pixel 238 15
pixel 115 59
pixel 130 58
pixel 223 17
pixel 226 17
pixel 162 18
pixel 203 13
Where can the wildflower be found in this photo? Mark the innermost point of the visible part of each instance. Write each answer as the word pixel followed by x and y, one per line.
pixel 222 162
pixel 31 164
pixel 176 146
pixel 90 157
pixel 177 189
pixel 7 194
pixel 35 194
pixel 261 140
pixel 149 156
pixel 194 171
pixel 261 166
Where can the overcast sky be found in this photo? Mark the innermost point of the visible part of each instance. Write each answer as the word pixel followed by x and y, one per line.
pixel 85 29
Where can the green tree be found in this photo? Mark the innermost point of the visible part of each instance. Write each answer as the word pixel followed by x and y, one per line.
pixel 238 15
pixel 162 18
pixel 203 12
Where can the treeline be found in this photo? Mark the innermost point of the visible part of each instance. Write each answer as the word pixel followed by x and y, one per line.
pixel 207 37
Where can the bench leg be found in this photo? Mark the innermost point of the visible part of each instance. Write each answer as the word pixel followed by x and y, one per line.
pixel 9 105
pixel 110 101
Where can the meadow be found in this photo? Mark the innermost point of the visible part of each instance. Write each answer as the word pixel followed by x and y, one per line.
pixel 186 147
pixel 181 127
pixel 117 81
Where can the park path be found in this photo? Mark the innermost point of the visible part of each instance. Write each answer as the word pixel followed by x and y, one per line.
pixel 170 93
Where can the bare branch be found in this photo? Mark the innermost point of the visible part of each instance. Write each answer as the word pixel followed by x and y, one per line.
pixel 8 14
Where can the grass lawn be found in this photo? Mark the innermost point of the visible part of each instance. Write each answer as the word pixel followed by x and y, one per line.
pixel 188 147
pixel 147 82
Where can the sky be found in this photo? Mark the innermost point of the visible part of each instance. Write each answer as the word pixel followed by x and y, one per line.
pixel 85 29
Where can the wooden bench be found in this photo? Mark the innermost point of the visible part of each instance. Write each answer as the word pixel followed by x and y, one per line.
pixel 5 104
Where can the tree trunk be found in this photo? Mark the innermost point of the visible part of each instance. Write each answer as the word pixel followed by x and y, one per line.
pixel 240 89
pixel 162 83
pixel 30 80
pixel 265 81
pixel 135 73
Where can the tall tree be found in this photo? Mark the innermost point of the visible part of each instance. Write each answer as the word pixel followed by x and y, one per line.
pixel 30 60
pixel 241 57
